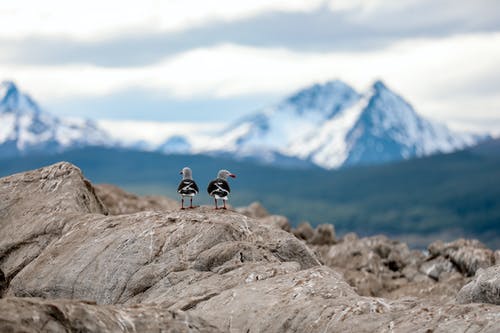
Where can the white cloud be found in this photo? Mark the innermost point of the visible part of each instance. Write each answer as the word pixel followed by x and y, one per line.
pixel 97 19
pixel 365 5
pixel 155 133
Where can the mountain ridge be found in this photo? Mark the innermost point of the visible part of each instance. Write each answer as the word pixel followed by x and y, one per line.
pixel 26 128
pixel 327 125
pixel 332 126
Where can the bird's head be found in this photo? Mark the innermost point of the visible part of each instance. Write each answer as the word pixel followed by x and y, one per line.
pixel 186 173
pixel 223 174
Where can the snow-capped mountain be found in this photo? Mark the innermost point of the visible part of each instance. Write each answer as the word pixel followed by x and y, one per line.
pixel 328 125
pixel 331 125
pixel 26 128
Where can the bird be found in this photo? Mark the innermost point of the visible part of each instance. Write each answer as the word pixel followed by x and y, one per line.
pixel 219 187
pixel 187 187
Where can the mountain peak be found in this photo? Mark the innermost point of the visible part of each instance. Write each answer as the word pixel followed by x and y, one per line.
pixel 13 100
pixel 328 98
pixel 379 85
pixel 25 127
pixel 318 90
pixel 8 89
pixel 8 84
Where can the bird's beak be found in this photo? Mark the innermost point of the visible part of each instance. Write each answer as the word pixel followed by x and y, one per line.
pixel 180 173
pixel 232 175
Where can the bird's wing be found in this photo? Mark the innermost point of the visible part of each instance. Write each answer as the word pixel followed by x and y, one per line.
pixel 181 186
pixel 211 187
pixel 186 185
pixel 224 185
pixel 195 187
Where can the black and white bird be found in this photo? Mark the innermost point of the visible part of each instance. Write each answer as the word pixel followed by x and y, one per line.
pixel 187 187
pixel 219 187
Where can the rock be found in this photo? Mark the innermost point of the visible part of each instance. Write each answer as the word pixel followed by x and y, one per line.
pixel 110 259
pixel 437 266
pixel 3 283
pixel 278 221
pixel 484 288
pixel 37 207
pixel 37 315
pixel 364 283
pixel 304 231
pixel 324 234
pixel 117 201
pixel 368 264
pixel 254 210
pixel 378 266
pixel 467 255
pixel 113 259
pixel 350 237
pixel 373 254
pixel 317 300
pixel 196 270
pixel 497 257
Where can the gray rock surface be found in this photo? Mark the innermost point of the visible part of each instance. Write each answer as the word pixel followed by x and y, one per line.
pixel 324 234
pixel 37 315
pixel 484 288
pixel 110 259
pixel 434 268
pixel 154 269
pixel 371 265
pixel 117 201
pixel 304 231
pixel 378 266
pixel 467 255
pixel 113 259
pixel 254 210
pixel 37 208
pixel 278 221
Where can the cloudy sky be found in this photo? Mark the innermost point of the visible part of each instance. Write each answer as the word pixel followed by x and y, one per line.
pixel 216 60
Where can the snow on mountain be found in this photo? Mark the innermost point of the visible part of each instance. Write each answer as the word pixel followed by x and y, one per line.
pixel 25 128
pixel 389 129
pixel 282 128
pixel 176 144
pixel 328 125
pixel 331 125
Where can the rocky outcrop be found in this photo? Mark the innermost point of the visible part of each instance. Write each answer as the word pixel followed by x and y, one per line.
pixel 467 255
pixel 257 211
pixel 132 257
pixel 254 210
pixel 37 208
pixel 378 266
pixel 304 231
pixel 196 270
pixel 117 201
pixel 485 288
pixel 37 315
pixel 372 265
pixel 324 234
pixel 137 257
pixel 278 221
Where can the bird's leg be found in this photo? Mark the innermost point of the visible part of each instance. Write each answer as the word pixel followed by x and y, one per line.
pixel 191 202
pixel 215 203
pixel 182 203
pixel 224 201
